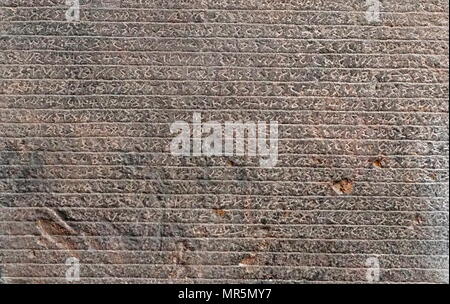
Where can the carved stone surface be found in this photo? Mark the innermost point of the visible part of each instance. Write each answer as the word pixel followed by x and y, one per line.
pixel 86 170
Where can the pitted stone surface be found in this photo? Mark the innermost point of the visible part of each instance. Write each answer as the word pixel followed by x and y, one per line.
pixel 86 170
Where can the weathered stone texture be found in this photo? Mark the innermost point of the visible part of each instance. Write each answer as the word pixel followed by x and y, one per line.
pixel 86 170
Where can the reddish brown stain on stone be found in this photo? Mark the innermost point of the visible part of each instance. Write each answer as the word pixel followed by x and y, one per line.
pixel 220 212
pixel 344 186
pixel 248 261
pixel 378 163
pixel 418 220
